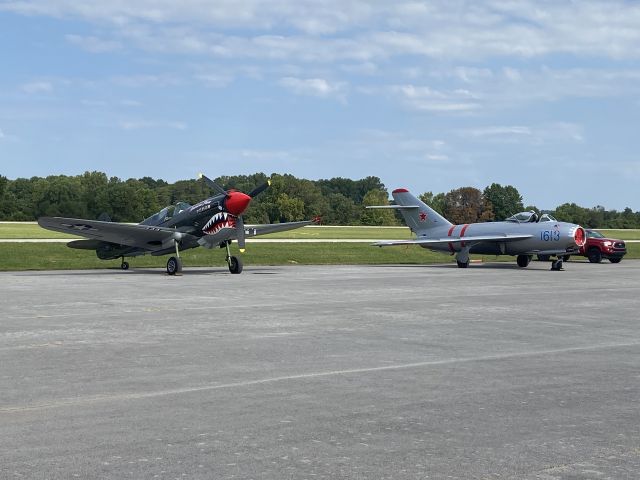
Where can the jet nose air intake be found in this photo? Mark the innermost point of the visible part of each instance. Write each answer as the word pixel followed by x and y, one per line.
pixel 580 236
pixel 237 202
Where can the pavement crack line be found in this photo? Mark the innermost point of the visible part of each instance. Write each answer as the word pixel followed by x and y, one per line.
pixel 96 399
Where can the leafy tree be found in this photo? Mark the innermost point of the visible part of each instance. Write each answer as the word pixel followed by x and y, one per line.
pixel 434 201
pixel 377 216
pixel 506 201
pixel 466 205
pixel 290 209
pixel 572 213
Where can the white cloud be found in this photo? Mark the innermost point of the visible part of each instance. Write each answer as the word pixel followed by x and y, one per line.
pixel 372 30
pixel 427 99
pixel 94 44
pixel 531 135
pixel 317 87
pixel 147 124
pixel 37 87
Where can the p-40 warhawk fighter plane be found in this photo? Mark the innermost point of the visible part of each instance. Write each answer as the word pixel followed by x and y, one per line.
pixel 525 234
pixel 215 221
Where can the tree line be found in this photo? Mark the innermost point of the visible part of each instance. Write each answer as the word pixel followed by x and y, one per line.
pixel 337 201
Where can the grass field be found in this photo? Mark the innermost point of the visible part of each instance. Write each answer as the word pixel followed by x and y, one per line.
pixel 52 256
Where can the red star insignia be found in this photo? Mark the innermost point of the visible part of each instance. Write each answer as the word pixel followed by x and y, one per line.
pixel 423 216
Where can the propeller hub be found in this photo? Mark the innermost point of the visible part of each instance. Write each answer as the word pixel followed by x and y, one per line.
pixel 237 202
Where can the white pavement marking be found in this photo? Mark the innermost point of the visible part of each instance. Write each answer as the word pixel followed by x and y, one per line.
pixel 88 400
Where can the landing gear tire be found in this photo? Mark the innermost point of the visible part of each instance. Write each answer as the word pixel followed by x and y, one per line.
pixel 124 265
pixel 594 255
pixel 523 260
pixel 462 264
pixel 235 265
pixel 556 265
pixel 615 260
pixel 174 266
pixel 544 258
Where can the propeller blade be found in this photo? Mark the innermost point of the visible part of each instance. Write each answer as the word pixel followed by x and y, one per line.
pixel 240 232
pixel 260 189
pixel 212 184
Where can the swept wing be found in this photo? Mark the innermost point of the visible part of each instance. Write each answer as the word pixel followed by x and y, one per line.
pixel 146 237
pixel 448 240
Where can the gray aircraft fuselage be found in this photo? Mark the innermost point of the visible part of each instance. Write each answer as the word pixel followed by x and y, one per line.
pixel 522 235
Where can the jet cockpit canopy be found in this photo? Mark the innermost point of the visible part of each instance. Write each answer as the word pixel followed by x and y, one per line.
pixel 530 217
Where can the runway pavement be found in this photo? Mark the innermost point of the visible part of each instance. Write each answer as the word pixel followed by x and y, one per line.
pixel 359 372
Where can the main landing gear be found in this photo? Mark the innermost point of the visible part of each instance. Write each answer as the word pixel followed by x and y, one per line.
pixel 235 263
pixel 523 260
pixel 174 264
pixel 124 265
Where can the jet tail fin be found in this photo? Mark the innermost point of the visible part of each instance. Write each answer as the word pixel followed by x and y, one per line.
pixel 418 215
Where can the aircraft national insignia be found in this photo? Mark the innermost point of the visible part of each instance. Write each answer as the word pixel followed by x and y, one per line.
pixel 423 216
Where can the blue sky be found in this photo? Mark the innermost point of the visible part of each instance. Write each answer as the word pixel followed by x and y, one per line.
pixel 432 96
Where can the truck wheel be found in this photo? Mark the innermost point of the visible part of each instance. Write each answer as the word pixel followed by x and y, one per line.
pixel 594 255
pixel 615 260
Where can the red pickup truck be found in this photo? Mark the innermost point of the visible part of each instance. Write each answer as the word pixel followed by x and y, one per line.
pixel 598 247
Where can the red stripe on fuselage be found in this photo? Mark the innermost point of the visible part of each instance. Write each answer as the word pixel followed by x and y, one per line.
pixel 449 234
pixel 464 229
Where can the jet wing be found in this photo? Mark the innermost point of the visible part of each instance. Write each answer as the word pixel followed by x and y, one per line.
pixel 147 237
pixel 447 240
pixel 254 230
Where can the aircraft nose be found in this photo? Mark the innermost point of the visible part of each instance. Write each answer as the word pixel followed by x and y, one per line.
pixel 237 202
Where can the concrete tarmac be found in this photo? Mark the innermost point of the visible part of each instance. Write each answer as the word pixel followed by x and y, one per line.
pixel 322 372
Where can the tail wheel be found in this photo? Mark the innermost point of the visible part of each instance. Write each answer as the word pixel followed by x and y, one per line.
pixel 523 260
pixel 235 265
pixel 594 255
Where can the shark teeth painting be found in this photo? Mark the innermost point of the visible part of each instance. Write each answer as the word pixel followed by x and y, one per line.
pixel 218 222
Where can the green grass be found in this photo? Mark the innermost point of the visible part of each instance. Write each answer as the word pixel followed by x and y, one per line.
pixel 57 256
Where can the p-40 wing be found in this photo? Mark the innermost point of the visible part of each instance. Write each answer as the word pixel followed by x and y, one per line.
pixel 448 240
pixel 254 230
pixel 145 237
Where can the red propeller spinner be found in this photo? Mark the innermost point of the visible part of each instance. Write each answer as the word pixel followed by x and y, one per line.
pixel 237 202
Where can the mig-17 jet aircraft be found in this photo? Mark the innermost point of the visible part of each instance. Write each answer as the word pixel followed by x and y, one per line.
pixel 213 222
pixel 523 235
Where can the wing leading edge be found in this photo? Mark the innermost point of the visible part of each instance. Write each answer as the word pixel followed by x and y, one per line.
pixel 448 240
pixel 146 237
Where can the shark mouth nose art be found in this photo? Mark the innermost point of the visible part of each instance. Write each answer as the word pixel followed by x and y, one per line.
pixel 218 222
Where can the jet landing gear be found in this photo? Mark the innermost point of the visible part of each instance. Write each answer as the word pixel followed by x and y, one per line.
pixel 124 265
pixel 523 260
pixel 462 258
pixel 235 263
pixel 556 265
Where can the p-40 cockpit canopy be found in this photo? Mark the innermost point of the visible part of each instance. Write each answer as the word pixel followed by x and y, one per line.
pixel 166 213
pixel 530 217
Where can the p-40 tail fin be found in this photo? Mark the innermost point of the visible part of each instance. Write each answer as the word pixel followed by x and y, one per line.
pixel 418 215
